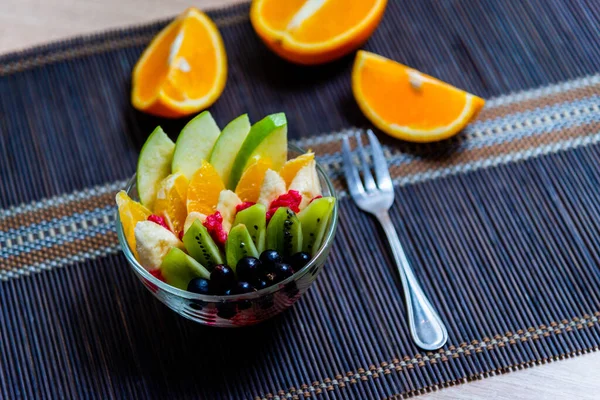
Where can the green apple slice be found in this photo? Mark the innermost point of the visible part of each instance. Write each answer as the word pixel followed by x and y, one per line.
pixel 228 145
pixel 194 144
pixel 154 164
pixel 267 138
pixel 179 269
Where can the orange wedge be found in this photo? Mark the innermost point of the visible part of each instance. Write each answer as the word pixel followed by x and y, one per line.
pixel 315 31
pixel 408 104
pixel 204 189
pixel 248 188
pixel 290 169
pixel 171 201
pixel 130 213
pixel 183 70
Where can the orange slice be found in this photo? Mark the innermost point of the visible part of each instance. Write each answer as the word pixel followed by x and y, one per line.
pixel 130 213
pixel 315 31
pixel 408 104
pixel 171 201
pixel 183 70
pixel 290 169
pixel 204 189
pixel 248 188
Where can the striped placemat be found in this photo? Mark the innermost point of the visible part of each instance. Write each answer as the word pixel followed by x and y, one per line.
pixel 501 223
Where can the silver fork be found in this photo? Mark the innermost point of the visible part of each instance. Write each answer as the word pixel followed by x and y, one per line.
pixel 426 327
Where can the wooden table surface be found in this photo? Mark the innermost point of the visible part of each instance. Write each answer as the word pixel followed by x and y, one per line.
pixel 25 23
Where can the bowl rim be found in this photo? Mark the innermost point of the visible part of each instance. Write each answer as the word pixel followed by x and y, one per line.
pixel 141 271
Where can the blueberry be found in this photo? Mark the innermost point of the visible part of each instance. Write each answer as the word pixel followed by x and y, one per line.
pixel 248 269
pixel 299 260
pixel 282 271
pixel 269 258
pixel 221 278
pixel 243 287
pixel 262 283
pixel 199 285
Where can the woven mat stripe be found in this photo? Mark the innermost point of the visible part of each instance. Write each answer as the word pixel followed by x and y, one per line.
pixel 41 248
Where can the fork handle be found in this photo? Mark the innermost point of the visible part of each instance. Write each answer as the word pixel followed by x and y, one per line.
pixel 426 327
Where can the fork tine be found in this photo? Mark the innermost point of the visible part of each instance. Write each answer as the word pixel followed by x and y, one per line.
pixel 350 170
pixel 368 177
pixel 384 181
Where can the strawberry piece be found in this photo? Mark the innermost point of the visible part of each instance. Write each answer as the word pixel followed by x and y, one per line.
pixel 214 225
pixel 158 220
pixel 291 199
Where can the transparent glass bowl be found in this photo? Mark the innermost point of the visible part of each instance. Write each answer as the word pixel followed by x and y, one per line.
pixel 236 310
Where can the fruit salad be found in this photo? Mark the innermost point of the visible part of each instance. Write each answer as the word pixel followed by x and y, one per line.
pixel 225 212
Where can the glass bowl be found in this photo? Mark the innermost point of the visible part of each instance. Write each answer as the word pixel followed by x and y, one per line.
pixel 236 310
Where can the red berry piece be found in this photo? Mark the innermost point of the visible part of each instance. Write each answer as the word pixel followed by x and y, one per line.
pixel 291 199
pixel 214 225
pixel 158 220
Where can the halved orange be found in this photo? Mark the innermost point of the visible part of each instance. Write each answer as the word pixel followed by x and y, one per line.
pixel 291 167
pixel 248 188
pixel 409 104
pixel 183 70
pixel 204 189
pixel 130 213
pixel 315 31
pixel 171 201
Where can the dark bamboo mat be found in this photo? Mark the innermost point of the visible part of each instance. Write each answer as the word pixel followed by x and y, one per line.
pixel 501 223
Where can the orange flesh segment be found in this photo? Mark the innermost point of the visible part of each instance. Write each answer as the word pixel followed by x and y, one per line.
pixel 130 213
pixel 183 70
pixel 248 188
pixel 156 66
pixel 204 190
pixel 291 167
pixel 277 14
pixel 426 106
pixel 171 201
pixel 194 65
pixel 333 19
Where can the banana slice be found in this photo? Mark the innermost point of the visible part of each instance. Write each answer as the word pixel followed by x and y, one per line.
pixel 153 242
pixel 228 201
pixel 307 183
pixel 273 186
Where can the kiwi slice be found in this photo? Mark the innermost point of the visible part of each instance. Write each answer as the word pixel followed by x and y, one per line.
pixel 179 269
pixel 284 232
pixel 314 220
pixel 200 245
pixel 255 219
pixel 239 244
